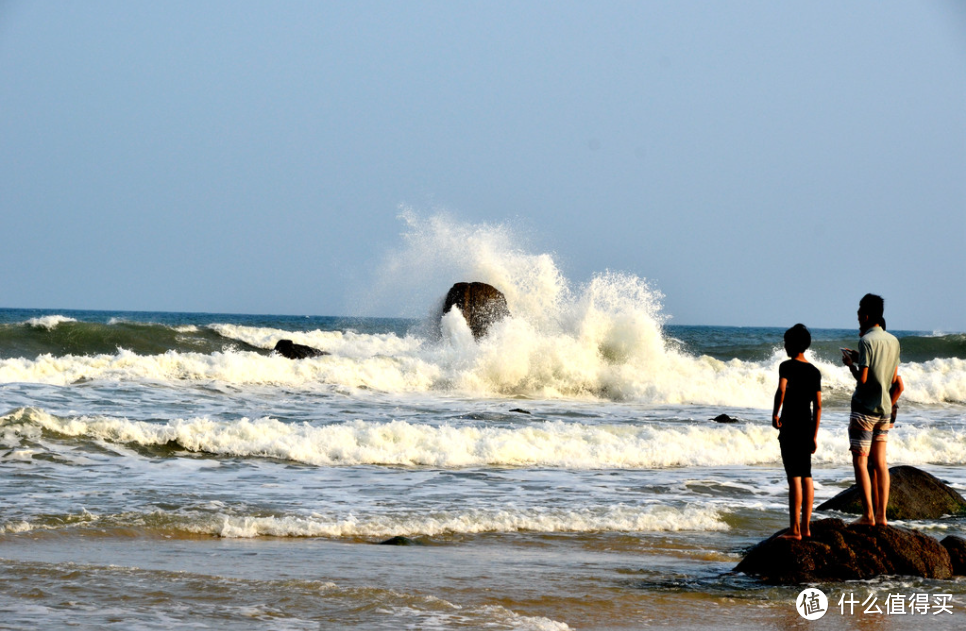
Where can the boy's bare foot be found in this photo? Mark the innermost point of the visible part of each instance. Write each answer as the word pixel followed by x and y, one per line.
pixel 806 533
pixel 791 535
pixel 864 521
pixel 881 521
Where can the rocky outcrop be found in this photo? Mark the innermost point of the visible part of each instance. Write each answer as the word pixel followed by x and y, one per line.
pixel 913 494
pixel 287 348
pixel 724 418
pixel 481 305
pixel 838 551
pixel 956 547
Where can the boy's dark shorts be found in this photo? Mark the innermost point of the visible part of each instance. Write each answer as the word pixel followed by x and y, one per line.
pixel 797 461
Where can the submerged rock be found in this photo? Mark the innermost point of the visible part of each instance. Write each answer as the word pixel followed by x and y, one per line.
pixel 288 348
pixel 724 418
pixel 913 494
pixel 399 540
pixel 843 552
pixel 482 305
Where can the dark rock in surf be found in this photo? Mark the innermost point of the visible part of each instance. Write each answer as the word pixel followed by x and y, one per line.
pixel 956 547
pixel 482 305
pixel 520 411
pixel 399 540
pixel 724 418
pixel 844 552
pixel 287 348
pixel 913 494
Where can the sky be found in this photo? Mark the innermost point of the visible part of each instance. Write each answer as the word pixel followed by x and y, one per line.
pixel 760 163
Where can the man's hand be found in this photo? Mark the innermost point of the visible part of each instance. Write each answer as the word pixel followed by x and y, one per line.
pixel 775 422
pixel 814 445
pixel 849 357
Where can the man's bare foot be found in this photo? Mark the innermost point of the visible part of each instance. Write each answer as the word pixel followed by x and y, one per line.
pixel 806 533
pixel 881 521
pixel 864 521
pixel 791 535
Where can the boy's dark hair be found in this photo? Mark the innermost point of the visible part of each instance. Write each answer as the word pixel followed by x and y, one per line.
pixel 797 340
pixel 872 306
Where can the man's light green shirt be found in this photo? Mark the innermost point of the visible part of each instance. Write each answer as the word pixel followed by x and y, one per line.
pixel 879 350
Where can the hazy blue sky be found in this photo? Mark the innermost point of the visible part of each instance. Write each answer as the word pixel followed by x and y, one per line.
pixel 761 163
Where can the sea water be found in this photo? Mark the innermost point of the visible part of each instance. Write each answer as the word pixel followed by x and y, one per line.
pixel 168 470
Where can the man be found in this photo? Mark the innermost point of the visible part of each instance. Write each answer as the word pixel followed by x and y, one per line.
pixel 875 367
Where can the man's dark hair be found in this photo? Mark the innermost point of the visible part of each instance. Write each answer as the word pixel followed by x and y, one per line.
pixel 797 340
pixel 873 306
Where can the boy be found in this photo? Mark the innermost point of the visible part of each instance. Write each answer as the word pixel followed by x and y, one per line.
pixel 799 397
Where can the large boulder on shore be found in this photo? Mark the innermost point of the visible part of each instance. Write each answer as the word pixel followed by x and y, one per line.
pixel 481 305
pixel 913 494
pixel 838 551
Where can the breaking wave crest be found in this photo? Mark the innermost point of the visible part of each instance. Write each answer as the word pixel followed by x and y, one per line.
pixel 514 360
pixel 550 444
pixel 619 518
pixel 604 339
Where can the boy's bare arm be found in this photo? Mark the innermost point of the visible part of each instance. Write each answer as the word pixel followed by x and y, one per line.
pixel 779 399
pixel 817 406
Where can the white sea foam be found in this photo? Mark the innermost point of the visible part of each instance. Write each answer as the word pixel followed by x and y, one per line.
pixel 429 612
pixel 516 621
pixel 439 251
pixel 553 444
pixel 49 322
pixel 935 381
pixel 600 339
pixel 490 617
pixel 15 527
pixel 620 518
pixel 392 374
pixel 514 360
pixel 347 344
pixel 433 522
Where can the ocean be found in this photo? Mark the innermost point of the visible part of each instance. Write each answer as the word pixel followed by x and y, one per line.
pixel 168 471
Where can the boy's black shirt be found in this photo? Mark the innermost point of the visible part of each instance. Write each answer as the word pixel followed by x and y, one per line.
pixel 803 381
